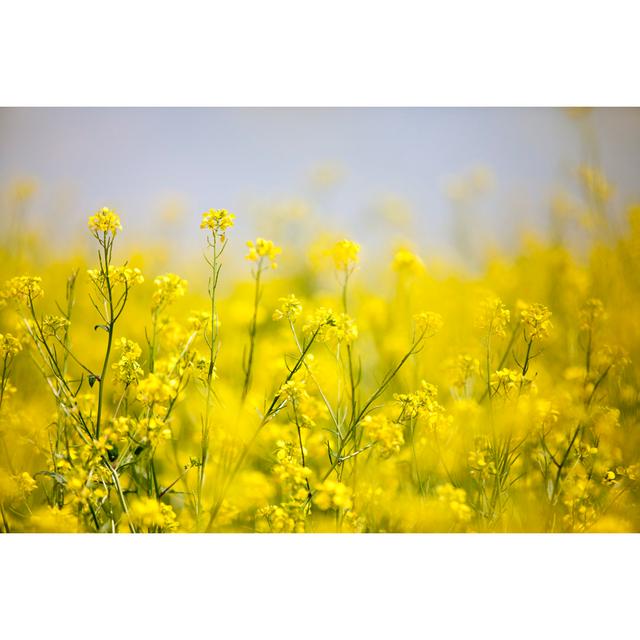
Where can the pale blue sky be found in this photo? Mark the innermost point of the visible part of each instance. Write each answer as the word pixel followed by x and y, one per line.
pixel 132 159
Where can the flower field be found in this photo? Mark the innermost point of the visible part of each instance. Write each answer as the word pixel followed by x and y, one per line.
pixel 322 386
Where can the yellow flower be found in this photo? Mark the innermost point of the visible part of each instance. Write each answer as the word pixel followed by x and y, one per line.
pixel 290 308
pixel 332 494
pixel 9 346
pixel 463 369
pixel 422 403
pixel 125 276
pixel 388 435
pixel 53 325
pixel 24 288
pixel 456 499
pixel 105 221
pixel 592 311
pixel 262 248
pixel 331 327
pixel 506 380
pixel 494 316
pixel 537 319
pixel 295 391
pixel 289 472
pixel 151 516
pixel 345 254
pixel 26 484
pixel 407 262
pixel 427 323
pixel 127 369
pixel 155 430
pixel 284 518
pixel 218 221
pixel 169 287
pixel 156 388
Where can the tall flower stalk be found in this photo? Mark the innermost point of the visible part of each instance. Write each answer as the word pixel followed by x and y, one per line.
pixel 263 253
pixel 215 222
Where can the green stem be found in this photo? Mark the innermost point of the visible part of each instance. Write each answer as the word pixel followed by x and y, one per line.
pixel 252 336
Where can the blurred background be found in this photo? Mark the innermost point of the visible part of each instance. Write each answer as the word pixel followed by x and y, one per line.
pixel 452 182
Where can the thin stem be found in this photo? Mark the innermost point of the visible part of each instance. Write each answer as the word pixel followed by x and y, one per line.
pixel 252 335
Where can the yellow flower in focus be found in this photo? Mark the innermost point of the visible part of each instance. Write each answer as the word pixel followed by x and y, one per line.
pixel 128 370
pixel 105 221
pixel 262 248
pixel 217 221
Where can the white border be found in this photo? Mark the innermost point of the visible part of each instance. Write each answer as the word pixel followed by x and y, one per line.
pixel 334 52
pixel 319 586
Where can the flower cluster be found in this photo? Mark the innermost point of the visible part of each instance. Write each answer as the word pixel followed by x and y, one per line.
pixel 387 435
pixel 537 320
pixel 290 308
pixel 156 389
pixel 217 221
pixel 105 221
pixel 456 500
pixel 169 287
pixel 493 317
pixel 289 472
pixel 427 323
pixel 261 249
pixel 148 515
pixel 345 254
pixel 332 494
pixel 123 276
pixel 23 288
pixel 505 380
pixel 463 369
pixel 407 262
pixel 591 313
pixel 422 403
pixel 10 346
pixel 331 327
pixel 54 326
pixel 128 370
